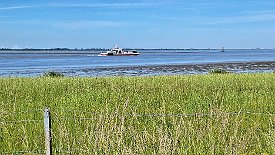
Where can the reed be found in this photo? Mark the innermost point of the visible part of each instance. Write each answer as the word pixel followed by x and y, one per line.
pixel 139 115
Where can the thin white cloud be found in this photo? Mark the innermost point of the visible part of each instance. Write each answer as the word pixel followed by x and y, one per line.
pixel 75 25
pixel 240 19
pixel 105 5
pixel 258 16
pixel 17 7
pixel 70 25
pixel 87 5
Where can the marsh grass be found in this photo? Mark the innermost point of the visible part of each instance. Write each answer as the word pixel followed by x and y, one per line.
pixel 52 74
pixel 219 71
pixel 109 115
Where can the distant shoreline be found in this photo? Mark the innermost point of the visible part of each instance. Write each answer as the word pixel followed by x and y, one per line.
pixel 96 49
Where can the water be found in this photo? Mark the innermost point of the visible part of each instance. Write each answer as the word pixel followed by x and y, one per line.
pixel 88 63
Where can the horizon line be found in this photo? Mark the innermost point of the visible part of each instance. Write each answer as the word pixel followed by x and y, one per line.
pixel 94 48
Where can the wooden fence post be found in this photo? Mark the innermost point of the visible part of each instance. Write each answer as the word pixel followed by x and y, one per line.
pixel 47 128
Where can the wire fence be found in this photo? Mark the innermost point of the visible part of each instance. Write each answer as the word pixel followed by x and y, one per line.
pixel 141 115
pixel 95 114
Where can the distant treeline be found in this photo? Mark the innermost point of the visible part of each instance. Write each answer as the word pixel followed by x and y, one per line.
pixel 92 49
pixel 51 49
pixel 96 49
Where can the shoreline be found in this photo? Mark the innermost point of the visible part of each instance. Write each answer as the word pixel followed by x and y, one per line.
pixel 234 67
pixel 153 70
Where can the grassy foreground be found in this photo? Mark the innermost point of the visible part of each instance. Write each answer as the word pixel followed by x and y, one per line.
pixel 113 115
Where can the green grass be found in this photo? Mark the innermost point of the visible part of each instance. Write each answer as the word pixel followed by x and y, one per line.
pixel 112 102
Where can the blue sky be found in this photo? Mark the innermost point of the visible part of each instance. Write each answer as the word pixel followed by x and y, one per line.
pixel 137 23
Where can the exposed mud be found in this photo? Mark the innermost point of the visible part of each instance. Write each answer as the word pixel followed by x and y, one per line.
pixel 246 67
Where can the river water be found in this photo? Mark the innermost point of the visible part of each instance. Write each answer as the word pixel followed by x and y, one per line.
pixel 88 63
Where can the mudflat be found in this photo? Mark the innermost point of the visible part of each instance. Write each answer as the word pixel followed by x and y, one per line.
pixel 234 67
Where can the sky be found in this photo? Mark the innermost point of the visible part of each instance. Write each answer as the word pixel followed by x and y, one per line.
pixel 137 23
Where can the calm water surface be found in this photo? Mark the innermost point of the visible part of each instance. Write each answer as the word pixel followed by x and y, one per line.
pixel 76 63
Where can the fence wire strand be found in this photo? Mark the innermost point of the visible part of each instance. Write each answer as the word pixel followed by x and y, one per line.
pixel 171 115
pixel 136 115
pixel 20 112
pixel 20 121
pixel 80 111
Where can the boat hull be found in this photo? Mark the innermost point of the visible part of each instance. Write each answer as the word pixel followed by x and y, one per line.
pixel 120 54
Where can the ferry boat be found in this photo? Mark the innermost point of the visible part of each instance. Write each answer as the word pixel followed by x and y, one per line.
pixel 116 51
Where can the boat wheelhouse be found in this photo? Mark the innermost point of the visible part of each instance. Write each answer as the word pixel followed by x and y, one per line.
pixel 116 51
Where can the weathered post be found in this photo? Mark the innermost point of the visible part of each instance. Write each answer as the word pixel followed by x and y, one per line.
pixel 47 128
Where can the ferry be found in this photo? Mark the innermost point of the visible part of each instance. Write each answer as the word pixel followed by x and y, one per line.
pixel 116 51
